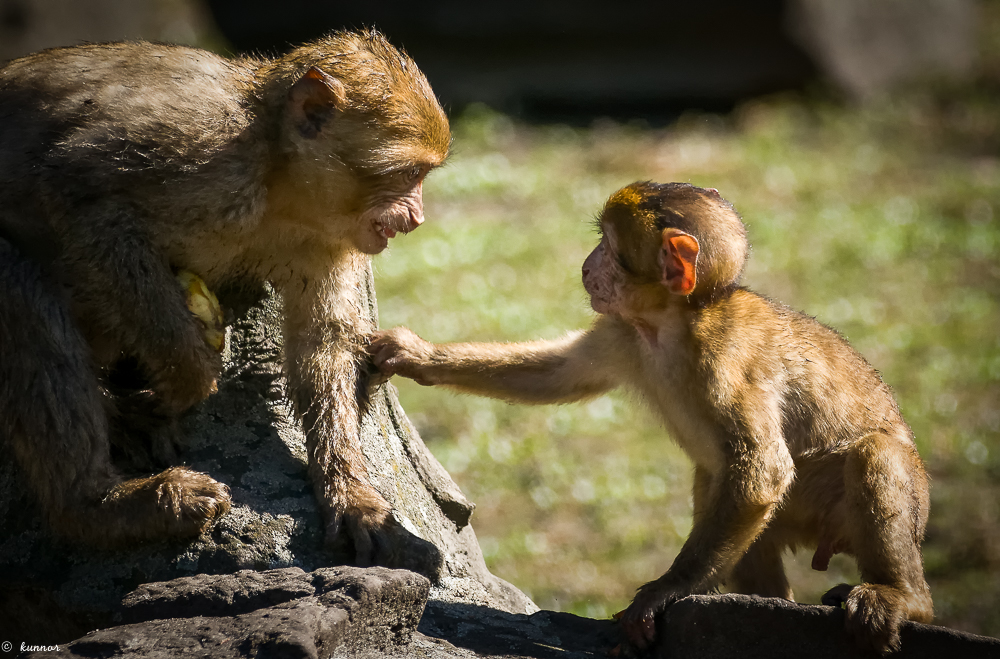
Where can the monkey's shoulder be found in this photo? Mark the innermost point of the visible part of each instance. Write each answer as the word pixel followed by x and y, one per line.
pixel 747 326
pixel 760 318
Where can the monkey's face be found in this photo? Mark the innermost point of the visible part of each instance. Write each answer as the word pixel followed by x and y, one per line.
pixel 611 279
pixel 395 205
pixel 362 137
pixel 601 279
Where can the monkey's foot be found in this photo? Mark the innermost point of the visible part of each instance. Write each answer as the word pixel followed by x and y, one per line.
pixel 638 621
pixel 874 613
pixel 365 515
pixel 175 503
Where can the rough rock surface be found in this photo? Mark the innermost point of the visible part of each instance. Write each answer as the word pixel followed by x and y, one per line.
pixel 285 612
pixel 353 612
pixel 245 436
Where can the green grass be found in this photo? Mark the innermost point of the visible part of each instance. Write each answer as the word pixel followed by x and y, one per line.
pixel 882 221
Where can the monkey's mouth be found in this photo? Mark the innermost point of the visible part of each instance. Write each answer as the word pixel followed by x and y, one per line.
pixel 385 231
pixel 389 226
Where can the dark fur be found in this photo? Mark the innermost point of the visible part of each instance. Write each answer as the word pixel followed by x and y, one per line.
pixel 124 163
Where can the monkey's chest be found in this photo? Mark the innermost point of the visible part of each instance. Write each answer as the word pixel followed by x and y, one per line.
pixel 684 415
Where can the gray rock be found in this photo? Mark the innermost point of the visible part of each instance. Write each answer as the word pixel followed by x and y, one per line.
pixel 697 627
pixel 280 613
pixel 375 612
pixel 245 436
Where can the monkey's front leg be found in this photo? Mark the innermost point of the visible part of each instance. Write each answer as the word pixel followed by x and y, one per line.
pixel 127 299
pixel 327 381
pixel 731 509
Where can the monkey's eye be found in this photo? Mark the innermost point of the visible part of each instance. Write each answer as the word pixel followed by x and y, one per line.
pixel 414 173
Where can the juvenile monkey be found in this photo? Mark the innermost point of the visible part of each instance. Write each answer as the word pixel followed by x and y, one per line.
pixel 125 163
pixel 795 439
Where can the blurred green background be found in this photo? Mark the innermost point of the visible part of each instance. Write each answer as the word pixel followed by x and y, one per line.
pixel 880 220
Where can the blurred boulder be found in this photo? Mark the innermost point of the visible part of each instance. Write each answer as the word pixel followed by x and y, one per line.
pixel 553 59
pixel 867 48
pixel 556 60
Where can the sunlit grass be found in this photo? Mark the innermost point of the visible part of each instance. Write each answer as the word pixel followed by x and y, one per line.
pixel 881 222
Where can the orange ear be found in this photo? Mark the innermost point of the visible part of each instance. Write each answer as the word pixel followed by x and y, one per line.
pixel 680 260
pixel 313 98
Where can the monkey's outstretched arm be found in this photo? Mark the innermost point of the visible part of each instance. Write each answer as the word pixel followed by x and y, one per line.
pixel 578 366
pixel 126 296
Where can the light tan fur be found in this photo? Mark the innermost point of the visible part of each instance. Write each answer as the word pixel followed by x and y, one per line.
pixel 795 439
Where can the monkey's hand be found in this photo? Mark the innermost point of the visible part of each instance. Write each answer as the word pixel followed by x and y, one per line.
pixel 176 503
pixel 399 351
pixel 185 377
pixel 191 374
pixel 638 621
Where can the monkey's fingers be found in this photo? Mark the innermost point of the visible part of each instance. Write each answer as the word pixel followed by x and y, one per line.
pixel 392 360
pixel 364 544
pixel 381 348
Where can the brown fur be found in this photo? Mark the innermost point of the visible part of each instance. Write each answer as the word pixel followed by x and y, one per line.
pixel 795 439
pixel 126 162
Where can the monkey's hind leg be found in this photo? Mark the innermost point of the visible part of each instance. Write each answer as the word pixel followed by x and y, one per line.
pixel 53 417
pixel 887 499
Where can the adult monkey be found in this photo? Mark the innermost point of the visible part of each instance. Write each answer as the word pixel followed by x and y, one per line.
pixel 795 439
pixel 124 164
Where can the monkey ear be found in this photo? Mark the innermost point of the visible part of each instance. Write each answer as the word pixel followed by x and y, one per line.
pixel 680 260
pixel 313 99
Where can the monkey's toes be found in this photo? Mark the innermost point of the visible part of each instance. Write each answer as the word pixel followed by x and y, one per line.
pixel 638 623
pixel 197 497
pixel 175 503
pixel 364 515
pixel 874 614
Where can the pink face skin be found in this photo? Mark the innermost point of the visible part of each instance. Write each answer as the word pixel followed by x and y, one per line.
pixel 603 277
pixel 395 207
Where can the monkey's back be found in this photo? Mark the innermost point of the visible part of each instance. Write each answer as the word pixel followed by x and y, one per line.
pixel 829 396
pixel 116 121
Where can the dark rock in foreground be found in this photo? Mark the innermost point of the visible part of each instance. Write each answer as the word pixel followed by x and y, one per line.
pixel 353 612
pixel 280 613
pixel 715 626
